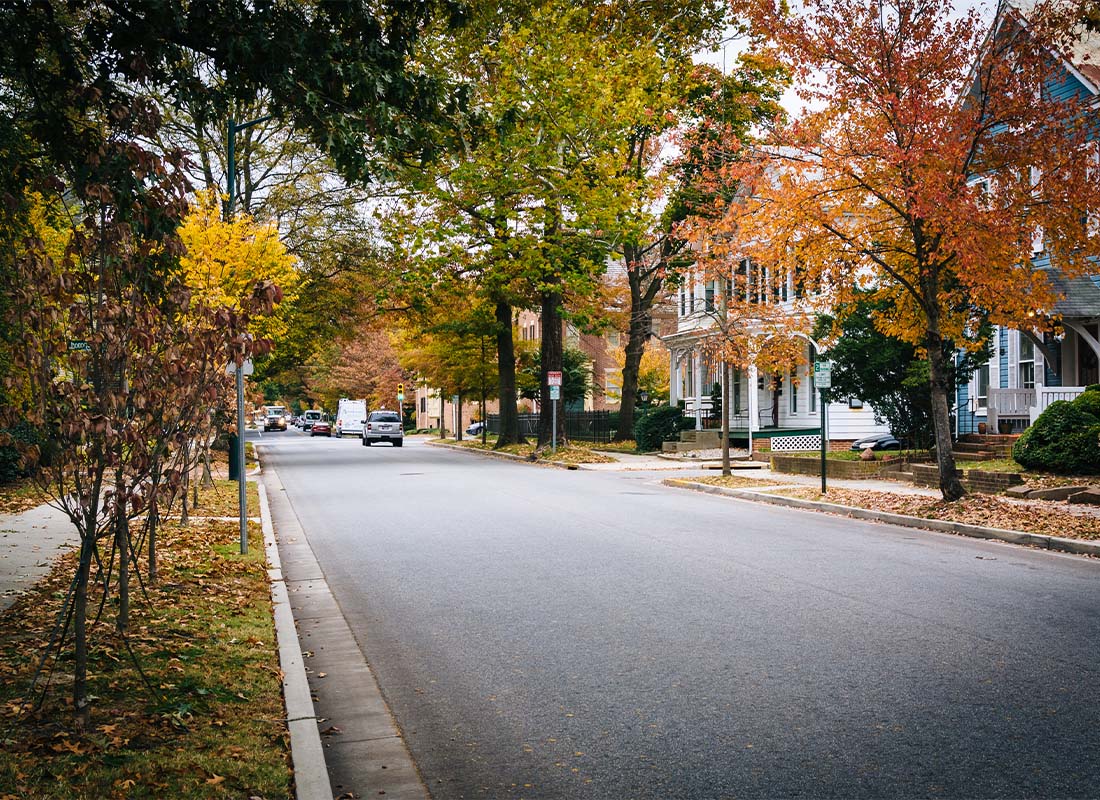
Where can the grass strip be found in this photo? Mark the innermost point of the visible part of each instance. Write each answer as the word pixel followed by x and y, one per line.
pixel 205 639
pixel 567 454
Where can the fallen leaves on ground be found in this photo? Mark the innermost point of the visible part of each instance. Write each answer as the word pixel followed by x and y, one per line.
pixel 567 453
pixel 734 481
pixel 1051 519
pixel 203 639
pixel 15 498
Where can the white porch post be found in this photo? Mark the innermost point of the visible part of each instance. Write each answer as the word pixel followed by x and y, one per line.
pixel 673 378
pixel 754 405
pixel 698 391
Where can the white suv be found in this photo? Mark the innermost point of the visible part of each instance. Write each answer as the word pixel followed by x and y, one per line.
pixel 383 426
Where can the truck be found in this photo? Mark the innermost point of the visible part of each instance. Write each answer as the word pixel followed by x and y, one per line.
pixel 349 416
pixel 275 418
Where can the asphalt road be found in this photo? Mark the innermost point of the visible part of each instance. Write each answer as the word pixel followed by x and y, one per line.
pixel 540 633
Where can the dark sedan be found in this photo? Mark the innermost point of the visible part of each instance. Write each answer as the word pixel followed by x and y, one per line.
pixel 879 441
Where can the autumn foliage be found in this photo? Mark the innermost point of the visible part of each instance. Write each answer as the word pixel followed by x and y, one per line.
pixel 933 159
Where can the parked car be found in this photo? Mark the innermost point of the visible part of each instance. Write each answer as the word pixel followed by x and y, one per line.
pixel 878 441
pixel 309 417
pixel 321 427
pixel 383 426
pixel 476 428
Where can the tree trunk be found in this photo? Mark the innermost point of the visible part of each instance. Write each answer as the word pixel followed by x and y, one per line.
pixel 442 414
pixel 81 708
pixel 641 304
pixel 550 352
pixel 506 369
pixel 726 419
pixel 939 384
pixel 122 544
pixel 458 419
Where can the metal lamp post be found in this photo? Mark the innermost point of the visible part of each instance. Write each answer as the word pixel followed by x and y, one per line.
pixel 231 181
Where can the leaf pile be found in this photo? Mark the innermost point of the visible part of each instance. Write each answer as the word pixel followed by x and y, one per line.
pixel 1047 518
pixel 211 725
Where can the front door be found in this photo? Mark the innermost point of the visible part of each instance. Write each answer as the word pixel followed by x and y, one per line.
pixel 1088 365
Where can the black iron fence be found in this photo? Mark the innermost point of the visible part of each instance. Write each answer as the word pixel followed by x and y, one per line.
pixel 585 426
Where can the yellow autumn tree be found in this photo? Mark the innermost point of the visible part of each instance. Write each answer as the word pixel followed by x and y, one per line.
pixel 224 261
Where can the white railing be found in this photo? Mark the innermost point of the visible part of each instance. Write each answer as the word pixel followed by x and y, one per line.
pixel 1045 395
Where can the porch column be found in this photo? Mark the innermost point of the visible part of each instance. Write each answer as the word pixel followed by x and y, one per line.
pixel 673 378
pixel 1085 336
pixel 698 391
pixel 754 405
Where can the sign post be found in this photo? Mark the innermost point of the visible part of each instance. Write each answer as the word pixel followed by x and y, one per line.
pixel 823 379
pixel 553 380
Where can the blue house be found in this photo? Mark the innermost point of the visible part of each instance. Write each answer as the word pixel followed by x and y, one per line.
pixel 1030 370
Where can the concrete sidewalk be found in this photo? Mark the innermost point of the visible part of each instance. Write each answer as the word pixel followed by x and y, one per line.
pixel 29 544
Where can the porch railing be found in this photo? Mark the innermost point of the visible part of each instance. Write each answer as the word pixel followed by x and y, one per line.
pixel 1050 394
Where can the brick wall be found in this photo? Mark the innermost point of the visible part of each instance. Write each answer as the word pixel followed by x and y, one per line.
pixel 853 470
pixel 975 480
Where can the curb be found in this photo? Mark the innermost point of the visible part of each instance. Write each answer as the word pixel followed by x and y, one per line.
pixel 311 780
pixel 1075 546
pixel 507 456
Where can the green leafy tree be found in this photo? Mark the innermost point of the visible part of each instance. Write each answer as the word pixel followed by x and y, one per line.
pixel 576 377
pixel 887 372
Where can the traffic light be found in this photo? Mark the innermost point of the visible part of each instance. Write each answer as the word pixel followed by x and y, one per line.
pixel 400 388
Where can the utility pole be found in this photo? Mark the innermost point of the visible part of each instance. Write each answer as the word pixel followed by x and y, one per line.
pixel 231 181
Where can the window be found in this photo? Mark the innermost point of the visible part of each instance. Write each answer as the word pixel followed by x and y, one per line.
pixel 981 388
pixel 683 302
pixel 572 335
pixel 813 383
pixel 423 405
pixel 736 386
pixel 1027 363
pixel 613 384
pixel 613 338
pixel 710 296
pixel 793 379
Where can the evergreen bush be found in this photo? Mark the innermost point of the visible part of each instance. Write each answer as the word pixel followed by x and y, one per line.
pixel 659 425
pixel 1064 439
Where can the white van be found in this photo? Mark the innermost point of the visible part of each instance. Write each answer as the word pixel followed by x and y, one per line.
pixel 349 416
pixel 311 416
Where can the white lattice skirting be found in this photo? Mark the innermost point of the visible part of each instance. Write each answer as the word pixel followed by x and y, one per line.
pixel 793 443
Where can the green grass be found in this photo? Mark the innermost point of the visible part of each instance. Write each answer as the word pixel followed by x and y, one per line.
pixel 995 465
pixel 851 455
pixel 212 727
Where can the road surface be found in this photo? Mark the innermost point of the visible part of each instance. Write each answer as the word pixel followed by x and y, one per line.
pixel 540 633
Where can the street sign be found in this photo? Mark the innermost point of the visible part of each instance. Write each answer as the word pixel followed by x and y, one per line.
pixel 823 374
pixel 553 378
pixel 247 369
pixel 79 345
pixel 400 397
pixel 555 392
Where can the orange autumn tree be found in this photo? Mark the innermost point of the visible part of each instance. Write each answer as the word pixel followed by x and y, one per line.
pixel 934 154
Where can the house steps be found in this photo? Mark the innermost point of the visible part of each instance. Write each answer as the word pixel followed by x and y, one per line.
pixel 984 446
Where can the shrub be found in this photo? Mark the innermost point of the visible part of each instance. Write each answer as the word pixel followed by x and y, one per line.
pixel 11 463
pixel 1065 439
pixel 659 425
pixel 1089 401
